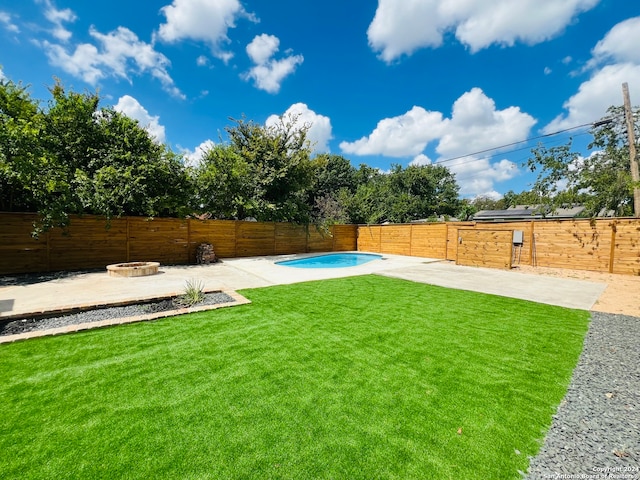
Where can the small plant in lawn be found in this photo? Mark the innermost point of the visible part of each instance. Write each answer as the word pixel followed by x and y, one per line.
pixel 193 294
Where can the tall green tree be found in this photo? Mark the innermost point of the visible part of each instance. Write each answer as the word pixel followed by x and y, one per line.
pixel 21 155
pixel 370 203
pixel 129 173
pixel 422 191
pixel 600 181
pixel 335 181
pixel 75 157
pixel 223 184
pixel 271 171
pixel 404 194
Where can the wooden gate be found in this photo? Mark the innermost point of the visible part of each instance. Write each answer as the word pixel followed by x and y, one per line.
pixel 485 248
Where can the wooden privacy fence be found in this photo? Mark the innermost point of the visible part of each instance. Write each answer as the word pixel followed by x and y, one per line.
pixel 603 245
pixel 88 243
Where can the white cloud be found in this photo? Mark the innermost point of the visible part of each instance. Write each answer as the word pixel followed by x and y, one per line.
pixel 262 48
pixel 620 44
pixel 202 20
pixel 133 109
pixel 400 28
pixel 421 159
pixel 477 175
pixel 475 125
pixel 547 71
pixel 615 60
pixel 202 61
pixel 597 94
pixel 7 23
pixel 319 133
pixel 194 158
pixel 401 136
pixel 2 75
pixel 490 194
pixel 268 73
pixel 120 53
pixel 58 18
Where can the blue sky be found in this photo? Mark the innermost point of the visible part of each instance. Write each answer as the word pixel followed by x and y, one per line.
pixel 382 83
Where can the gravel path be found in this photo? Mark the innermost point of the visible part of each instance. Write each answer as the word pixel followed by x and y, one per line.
pixel 596 431
pixel 30 325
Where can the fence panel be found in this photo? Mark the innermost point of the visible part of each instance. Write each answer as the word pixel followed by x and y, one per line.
pixel 485 248
pixel 577 244
pixel 91 243
pixel 319 241
pixel 19 251
pixel 255 239
pixel 164 240
pixel 429 240
pixel 345 238
pixel 290 238
pixel 396 239
pixel 369 238
pixel 219 233
pixel 626 252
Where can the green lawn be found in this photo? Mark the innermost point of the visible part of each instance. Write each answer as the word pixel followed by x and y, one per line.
pixel 357 378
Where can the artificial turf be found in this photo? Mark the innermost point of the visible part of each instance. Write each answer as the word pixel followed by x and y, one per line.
pixel 358 378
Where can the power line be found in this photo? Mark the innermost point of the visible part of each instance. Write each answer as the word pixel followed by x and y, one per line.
pixel 499 153
pixel 546 135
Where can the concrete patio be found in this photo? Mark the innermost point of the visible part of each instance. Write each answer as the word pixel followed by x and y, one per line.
pixel 98 288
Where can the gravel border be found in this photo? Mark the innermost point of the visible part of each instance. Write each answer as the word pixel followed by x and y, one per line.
pixel 23 325
pixel 595 432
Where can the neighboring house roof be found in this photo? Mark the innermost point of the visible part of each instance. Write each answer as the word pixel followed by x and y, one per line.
pixel 526 212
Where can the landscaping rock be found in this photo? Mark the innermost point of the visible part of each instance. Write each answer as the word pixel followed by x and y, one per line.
pixel 33 324
pixel 596 430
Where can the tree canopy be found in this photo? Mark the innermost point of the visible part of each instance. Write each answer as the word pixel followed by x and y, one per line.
pixel 601 181
pixel 72 156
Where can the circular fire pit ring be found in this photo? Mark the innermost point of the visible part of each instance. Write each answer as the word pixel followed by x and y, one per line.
pixel 133 269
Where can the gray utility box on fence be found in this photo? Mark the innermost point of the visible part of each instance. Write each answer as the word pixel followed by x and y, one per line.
pixel 518 237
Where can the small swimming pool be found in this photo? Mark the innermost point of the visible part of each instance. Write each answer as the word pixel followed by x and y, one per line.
pixel 331 260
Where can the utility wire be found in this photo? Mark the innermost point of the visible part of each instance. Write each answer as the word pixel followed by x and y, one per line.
pixel 546 135
pixel 471 160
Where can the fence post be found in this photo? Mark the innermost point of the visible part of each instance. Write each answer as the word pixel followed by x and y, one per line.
pixel 275 236
pixel 612 252
pixel 188 241
pixel 333 238
pixel 446 241
pixel 235 238
pixel 531 240
pixel 128 242
pixel 411 240
pixel 48 250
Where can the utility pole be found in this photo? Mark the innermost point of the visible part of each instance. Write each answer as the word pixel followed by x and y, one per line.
pixel 635 174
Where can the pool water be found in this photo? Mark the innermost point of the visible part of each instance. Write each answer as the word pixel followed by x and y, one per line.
pixel 331 260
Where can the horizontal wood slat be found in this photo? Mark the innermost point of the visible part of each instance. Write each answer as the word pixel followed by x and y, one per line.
pixel 91 242
pixel 571 244
pixel 485 248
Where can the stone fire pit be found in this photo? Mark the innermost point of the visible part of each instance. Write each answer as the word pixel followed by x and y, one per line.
pixel 133 269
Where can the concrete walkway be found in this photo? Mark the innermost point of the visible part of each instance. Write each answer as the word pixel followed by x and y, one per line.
pixel 89 289
pixel 563 292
